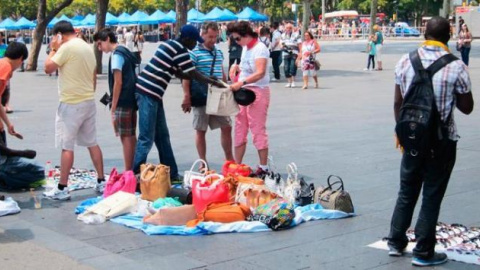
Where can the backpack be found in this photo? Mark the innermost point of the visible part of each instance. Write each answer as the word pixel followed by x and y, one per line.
pixel 419 127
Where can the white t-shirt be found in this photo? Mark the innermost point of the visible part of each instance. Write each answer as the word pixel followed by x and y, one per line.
pixel 247 64
pixel 129 40
pixel 277 36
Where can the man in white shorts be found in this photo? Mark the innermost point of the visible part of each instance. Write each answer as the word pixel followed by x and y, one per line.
pixel 208 60
pixel 75 120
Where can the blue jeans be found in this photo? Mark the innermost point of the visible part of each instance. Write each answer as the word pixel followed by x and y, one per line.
pixel 153 128
pixel 290 66
pixel 432 173
pixel 18 172
pixel 276 62
pixel 465 52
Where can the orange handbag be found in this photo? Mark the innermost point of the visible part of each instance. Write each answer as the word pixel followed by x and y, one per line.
pixel 244 183
pixel 257 197
pixel 154 181
pixel 221 212
pixel 234 169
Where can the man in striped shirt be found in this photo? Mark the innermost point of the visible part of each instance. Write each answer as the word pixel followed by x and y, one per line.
pixel 452 88
pixel 171 58
pixel 209 61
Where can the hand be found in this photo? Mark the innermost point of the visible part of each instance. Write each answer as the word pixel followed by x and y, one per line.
pixel 29 154
pixel 1 126
pixel 56 43
pixel 236 86
pixel 186 104
pixel 114 124
pixel 233 71
pixel 12 132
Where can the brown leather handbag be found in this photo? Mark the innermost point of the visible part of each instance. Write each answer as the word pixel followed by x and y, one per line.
pixel 154 181
pixel 335 199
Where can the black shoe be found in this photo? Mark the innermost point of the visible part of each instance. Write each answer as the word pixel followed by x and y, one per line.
pixel 395 252
pixel 436 259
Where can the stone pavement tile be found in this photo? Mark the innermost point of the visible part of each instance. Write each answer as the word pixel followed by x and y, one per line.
pixel 130 240
pixel 110 261
pixel 86 252
pixel 236 265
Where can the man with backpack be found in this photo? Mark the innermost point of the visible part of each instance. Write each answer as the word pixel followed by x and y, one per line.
pixel 427 91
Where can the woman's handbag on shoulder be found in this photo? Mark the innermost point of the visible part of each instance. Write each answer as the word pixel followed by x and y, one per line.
pixel 459 45
pixel 221 102
pixel 317 65
pixel 120 182
pixel 334 199
pixel 154 181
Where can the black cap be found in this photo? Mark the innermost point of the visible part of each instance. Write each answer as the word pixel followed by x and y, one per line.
pixel 244 96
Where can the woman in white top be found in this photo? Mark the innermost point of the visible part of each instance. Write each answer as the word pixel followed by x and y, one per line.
pixel 253 76
pixel 306 59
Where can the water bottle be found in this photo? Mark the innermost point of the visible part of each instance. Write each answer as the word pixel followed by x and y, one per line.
pixel 49 174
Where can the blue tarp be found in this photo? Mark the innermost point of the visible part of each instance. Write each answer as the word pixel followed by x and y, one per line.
pixel 218 15
pixel 194 16
pixel 23 23
pixel 249 14
pixel 7 24
pixel 159 17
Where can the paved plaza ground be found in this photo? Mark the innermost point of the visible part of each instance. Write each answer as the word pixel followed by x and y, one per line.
pixel 343 128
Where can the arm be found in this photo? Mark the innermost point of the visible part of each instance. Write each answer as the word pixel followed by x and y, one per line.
pixel 195 75
pixel 50 66
pixel 187 103
pixel 317 47
pixel 397 103
pixel 5 151
pixel 261 67
pixel 94 79
pixel 117 88
pixel 465 102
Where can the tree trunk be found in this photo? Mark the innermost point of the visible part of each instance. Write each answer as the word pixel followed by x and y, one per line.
pixel 101 15
pixel 307 4
pixel 43 19
pixel 373 15
pixel 446 9
pixel 181 8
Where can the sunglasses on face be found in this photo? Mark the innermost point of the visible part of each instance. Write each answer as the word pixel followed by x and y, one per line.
pixel 237 38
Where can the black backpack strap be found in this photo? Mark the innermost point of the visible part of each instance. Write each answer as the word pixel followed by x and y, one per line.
pixel 441 62
pixel 415 60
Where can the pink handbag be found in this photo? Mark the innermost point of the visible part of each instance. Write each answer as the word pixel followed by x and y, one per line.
pixel 125 182
pixel 205 192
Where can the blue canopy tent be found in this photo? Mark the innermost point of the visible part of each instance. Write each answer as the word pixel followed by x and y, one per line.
pixel 218 15
pixel 122 18
pixel 194 16
pixel 172 14
pixel 159 17
pixel 89 20
pixel 52 22
pixel 65 18
pixel 78 18
pixel 7 24
pixel 23 23
pixel 111 19
pixel 139 17
pixel 228 12
pixel 249 14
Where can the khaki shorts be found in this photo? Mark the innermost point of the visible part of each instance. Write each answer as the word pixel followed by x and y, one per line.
pixel 75 124
pixel 378 54
pixel 201 120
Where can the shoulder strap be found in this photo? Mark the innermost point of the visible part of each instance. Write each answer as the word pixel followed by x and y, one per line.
pixel 214 59
pixel 441 62
pixel 415 60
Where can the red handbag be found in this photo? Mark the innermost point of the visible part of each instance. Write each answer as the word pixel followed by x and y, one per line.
pixel 125 182
pixel 205 192
pixel 234 169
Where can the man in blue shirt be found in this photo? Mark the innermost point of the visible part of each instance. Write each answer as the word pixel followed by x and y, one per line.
pixel 171 58
pixel 208 60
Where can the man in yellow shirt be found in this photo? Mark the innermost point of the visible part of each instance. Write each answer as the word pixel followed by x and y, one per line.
pixel 75 120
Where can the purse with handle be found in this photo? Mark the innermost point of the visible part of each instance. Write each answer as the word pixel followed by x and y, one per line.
pixel 334 198
pixel 154 181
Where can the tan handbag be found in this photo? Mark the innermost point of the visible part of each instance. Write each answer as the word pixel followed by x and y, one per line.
pixel 173 216
pixel 220 101
pixel 154 181
pixel 335 199
pixel 258 196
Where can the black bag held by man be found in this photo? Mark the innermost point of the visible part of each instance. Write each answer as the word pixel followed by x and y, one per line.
pixel 334 199
pixel 199 90
pixel 419 127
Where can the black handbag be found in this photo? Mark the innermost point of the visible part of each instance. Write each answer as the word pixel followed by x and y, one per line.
pixel 335 199
pixel 199 90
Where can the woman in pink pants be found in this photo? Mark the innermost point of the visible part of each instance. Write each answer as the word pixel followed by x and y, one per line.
pixel 254 76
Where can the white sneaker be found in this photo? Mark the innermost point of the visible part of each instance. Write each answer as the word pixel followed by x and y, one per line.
pixel 366 69
pixel 288 85
pixel 57 194
pixel 274 80
pixel 292 85
pixel 100 187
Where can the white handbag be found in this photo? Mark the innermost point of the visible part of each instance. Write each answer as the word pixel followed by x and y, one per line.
pixel 115 205
pixel 188 176
pixel 293 188
pixel 220 101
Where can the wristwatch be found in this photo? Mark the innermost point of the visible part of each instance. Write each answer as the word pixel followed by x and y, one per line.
pixel 244 82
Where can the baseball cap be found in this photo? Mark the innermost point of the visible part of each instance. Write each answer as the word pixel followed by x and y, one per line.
pixel 190 31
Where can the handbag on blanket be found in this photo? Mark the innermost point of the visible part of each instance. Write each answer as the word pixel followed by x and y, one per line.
pixel 154 181
pixel 275 183
pixel 293 187
pixel 115 205
pixel 306 193
pixel 277 214
pixel 258 196
pixel 124 181
pixel 172 216
pixel 335 199
pixel 221 212
pixel 220 101
pixel 234 169
pixel 245 183
pixel 188 176
pixel 205 192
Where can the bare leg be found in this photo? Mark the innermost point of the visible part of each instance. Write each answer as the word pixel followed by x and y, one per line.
pixel 226 140
pixel 66 163
pixel 305 82
pixel 240 152
pixel 201 144
pixel 129 143
pixel 263 155
pixel 97 159
pixel 315 79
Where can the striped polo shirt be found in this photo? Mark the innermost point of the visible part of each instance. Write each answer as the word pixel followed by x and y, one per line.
pixel 202 60
pixel 169 57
